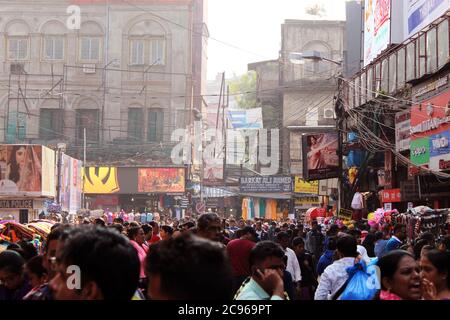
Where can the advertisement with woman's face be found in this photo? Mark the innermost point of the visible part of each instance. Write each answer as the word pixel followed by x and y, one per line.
pixel 322 161
pixel 21 169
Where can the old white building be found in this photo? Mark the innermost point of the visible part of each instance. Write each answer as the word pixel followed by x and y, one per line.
pixel 130 74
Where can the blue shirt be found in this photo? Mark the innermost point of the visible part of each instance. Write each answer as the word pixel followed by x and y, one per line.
pixel 380 247
pixel 393 244
pixel 325 260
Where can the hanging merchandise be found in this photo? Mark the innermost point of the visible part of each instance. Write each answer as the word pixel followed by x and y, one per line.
pixel 256 205
pixel 352 174
pixel 244 208
pixel 262 208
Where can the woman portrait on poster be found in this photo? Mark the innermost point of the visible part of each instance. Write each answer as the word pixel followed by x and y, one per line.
pixel 24 168
pixel 315 157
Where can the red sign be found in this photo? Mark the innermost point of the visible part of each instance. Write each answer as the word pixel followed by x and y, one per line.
pixel 391 196
pixel 431 116
pixel 200 207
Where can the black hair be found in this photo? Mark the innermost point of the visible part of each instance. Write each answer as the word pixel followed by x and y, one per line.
pixel 369 244
pixel 429 237
pixel 334 229
pixel 29 250
pixel 264 250
pixel 55 234
pixel 379 235
pixel 418 248
pixel 14 174
pixel 297 241
pixel 115 268
pixel 354 233
pixel 147 228
pixel 248 229
pixel 332 243
pixel 12 246
pixel 191 268
pixel 11 261
pixel 132 232
pixel 168 229
pixel 118 220
pixel 282 235
pixel 389 262
pixel 347 246
pixel 445 241
pixel 205 219
pixel 133 224
pixel 116 226
pixel 35 265
pixel 441 261
pixel 99 222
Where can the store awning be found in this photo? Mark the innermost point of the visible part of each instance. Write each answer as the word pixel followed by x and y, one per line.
pixel 280 196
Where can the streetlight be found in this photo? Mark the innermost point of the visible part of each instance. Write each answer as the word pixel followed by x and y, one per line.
pixel 300 57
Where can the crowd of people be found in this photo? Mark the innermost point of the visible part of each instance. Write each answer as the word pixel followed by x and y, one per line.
pixel 211 258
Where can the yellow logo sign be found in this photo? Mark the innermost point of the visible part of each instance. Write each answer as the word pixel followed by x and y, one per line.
pixel 302 186
pixel 102 180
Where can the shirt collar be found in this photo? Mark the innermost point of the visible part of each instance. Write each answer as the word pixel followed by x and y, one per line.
pixel 257 289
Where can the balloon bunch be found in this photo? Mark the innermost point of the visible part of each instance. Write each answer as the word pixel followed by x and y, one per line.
pixel 380 217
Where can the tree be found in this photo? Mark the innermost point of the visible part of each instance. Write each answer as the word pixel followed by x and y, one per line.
pixel 242 84
pixel 316 10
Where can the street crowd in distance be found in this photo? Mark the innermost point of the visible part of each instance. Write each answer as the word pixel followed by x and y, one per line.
pixel 211 258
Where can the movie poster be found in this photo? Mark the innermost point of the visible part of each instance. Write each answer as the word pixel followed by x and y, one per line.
pixel 321 161
pixel 161 180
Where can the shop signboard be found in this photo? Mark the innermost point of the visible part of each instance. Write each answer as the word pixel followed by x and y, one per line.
pixel 266 184
pixel 391 195
pixel 16 204
pixel 345 214
pixel 161 180
pixel 421 13
pixel 420 151
pixel 402 130
pixel 440 151
pixel 302 186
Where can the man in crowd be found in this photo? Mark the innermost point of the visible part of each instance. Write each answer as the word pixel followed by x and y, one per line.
pixel 188 268
pixel 155 236
pixel 239 253
pixel 396 241
pixel 333 280
pixel 266 282
pixel 262 234
pixel 209 226
pixel 308 284
pixel 315 241
pixel 14 285
pixel 107 264
pixel 292 266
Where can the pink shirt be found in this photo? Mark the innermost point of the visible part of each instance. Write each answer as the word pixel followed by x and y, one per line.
pixel 142 253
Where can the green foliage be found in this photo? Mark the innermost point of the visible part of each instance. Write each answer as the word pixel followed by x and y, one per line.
pixel 244 83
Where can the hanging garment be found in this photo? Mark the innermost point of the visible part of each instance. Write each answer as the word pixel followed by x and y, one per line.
pixel 251 211
pixel 256 205
pixel 244 208
pixel 262 208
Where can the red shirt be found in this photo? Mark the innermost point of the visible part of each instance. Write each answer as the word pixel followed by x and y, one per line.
pixel 239 253
pixel 155 238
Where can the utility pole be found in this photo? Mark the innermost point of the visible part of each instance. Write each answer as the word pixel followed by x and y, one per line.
pixel 83 198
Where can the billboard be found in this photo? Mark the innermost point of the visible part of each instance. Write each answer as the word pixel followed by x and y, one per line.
pixel 70 184
pixel 321 161
pixel 420 151
pixel 213 174
pixel 21 170
pixel 246 119
pixel 301 186
pixel 402 130
pixel 48 172
pixel 440 151
pixel 377 28
pixel 265 184
pixel 421 13
pixel 101 180
pixel 76 189
pixel 161 180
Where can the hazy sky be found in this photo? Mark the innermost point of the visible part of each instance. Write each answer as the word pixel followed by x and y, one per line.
pixel 254 26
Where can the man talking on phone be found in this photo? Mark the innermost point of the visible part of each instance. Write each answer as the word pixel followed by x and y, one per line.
pixel 266 280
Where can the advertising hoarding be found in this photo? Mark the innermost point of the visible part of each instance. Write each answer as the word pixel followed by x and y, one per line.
pixel 440 151
pixel 321 152
pixel 420 13
pixel 302 186
pixel 246 119
pixel 377 28
pixel 402 130
pixel 101 180
pixel 420 151
pixel 161 180
pixel 265 184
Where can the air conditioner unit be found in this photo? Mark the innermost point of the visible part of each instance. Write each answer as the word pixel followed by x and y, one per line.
pixel 329 113
pixel 17 68
pixel 89 68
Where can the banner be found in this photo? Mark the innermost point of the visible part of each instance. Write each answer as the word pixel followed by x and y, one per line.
pixel 420 151
pixel 440 151
pixel 302 186
pixel 306 202
pixel 21 170
pixel 321 152
pixel 213 174
pixel 101 180
pixel 402 130
pixel 161 180
pixel 390 196
pixel 76 189
pixel 421 13
pixel 265 184
pixel 377 28
pixel 48 172
pixel 246 119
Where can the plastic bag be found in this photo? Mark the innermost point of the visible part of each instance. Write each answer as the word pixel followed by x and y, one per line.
pixel 363 283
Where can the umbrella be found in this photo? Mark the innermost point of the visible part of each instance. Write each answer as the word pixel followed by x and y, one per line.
pixel 314 213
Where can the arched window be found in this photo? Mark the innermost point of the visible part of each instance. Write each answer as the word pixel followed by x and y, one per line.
pixel 53 40
pixel 18 41
pixel 135 123
pixel 147 44
pixel 90 42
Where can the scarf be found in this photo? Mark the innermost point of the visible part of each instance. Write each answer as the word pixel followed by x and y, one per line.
pixel 386 295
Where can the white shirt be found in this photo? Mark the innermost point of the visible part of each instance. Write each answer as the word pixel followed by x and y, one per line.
pixel 293 267
pixel 357 202
pixel 333 278
pixel 363 252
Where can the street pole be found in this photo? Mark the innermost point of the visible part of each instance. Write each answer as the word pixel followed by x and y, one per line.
pixel 83 199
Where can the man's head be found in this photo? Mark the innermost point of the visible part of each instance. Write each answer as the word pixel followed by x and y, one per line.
pixel 314 225
pixel 266 255
pixel 11 269
pixel 148 231
pixel 209 226
pixel 258 226
pixel 241 223
pixel 400 231
pixel 298 245
pixel 188 267
pixel 51 248
pixel 347 246
pixel 248 233
pixel 106 266
pixel 155 227
pixel 283 239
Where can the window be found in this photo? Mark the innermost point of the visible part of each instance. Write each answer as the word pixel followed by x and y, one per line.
pixel 17 127
pixel 392 73
pixel 443 43
pixel 89 119
pixel 431 51
pixel 18 48
pixel 53 48
pixel 410 61
pixel 137 52
pixel 181 117
pixel 50 124
pixel 401 68
pixel 135 120
pixel 90 49
pixel 155 125
pixel 157 51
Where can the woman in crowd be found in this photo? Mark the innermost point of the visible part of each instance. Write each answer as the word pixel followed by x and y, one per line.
pixel 435 274
pixel 400 276
pixel 166 232
pixel 137 238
